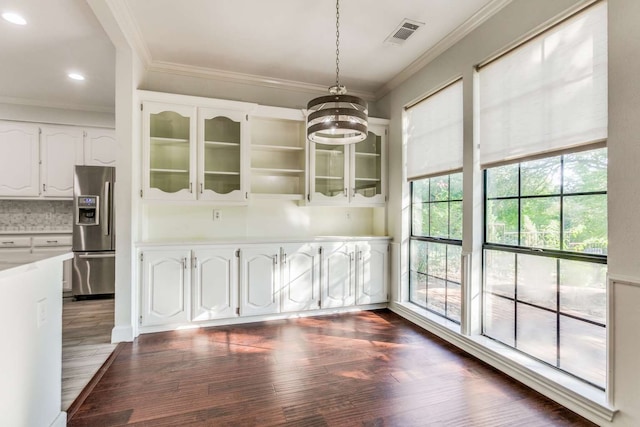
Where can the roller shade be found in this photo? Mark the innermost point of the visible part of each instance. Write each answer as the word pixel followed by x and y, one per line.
pixel 547 95
pixel 433 131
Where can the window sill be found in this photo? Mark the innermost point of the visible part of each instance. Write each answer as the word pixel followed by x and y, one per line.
pixel 582 398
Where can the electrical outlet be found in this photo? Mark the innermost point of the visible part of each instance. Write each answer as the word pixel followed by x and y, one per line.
pixel 41 310
pixel 217 214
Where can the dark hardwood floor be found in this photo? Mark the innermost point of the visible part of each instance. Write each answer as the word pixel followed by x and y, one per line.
pixel 361 369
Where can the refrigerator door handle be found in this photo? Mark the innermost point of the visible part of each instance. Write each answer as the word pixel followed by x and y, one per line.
pixel 107 207
pixel 98 255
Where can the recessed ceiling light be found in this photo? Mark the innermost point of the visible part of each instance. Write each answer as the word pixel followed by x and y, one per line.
pixel 75 76
pixel 14 18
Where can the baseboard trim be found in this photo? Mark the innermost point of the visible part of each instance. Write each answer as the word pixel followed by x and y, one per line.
pixel 122 334
pixel 75 405
pixel 591 405
pixel 60 421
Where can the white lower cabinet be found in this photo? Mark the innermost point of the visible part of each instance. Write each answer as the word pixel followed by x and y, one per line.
pixel 339 275
pixel 259 280
pixel 165 287
pixel 185 285
pixel 215 283
pixel 300 267
pixel 372 272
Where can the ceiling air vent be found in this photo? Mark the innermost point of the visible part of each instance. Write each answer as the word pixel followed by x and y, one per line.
pixel 406 28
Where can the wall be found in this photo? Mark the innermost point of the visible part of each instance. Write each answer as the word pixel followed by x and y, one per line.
pixel 31 363
pixel 516 20
pixel 32 113
pixel 36 215
pixel 262 218
pixel 624 205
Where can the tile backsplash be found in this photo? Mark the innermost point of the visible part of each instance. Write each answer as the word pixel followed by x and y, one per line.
pixel 36 215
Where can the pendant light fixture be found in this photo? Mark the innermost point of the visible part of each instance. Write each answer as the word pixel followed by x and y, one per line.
pixel 338 118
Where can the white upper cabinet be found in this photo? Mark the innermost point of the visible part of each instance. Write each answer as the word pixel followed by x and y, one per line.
pixel 169 151
pixel 352 174
pixel 100 147
pixel 19 160
pixel 222 147
pixel 61 149
pixel 278 150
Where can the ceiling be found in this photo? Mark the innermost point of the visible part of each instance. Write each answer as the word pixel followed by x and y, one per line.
pixel 291 42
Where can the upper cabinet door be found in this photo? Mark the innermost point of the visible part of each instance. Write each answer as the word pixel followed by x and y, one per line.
pixel 19 160
pixel 169 155
pixel 100 147
pixel 222 145
pixel 329 174
pixel 368 168
pixel 61 149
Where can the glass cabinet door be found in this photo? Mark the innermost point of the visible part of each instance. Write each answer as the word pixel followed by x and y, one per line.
pixel 169 154
pixel 221 155
pixel 367 183
pixel 330 172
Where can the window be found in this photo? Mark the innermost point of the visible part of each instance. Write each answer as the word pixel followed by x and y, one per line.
pixel 545 260
pixel 436 239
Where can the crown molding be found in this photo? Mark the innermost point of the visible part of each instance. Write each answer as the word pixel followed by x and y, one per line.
pixel 56 105
pixel 250 79
pixel 131 30
pixel 449 40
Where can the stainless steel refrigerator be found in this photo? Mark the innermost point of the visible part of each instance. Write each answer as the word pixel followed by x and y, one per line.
pixel 93 231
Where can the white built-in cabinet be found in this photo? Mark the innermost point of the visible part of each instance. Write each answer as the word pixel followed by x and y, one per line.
pixel 215 278
pixel 352 174
pixel 278 153
pixel 185 285
pixel 355 273
pixel 19 160
pixel 259 280
pixel 99 147
pixel 38 160
pixel 61 148
pixel 166 276
pixel 193 152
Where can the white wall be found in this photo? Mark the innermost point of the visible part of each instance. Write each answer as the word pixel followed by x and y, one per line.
pixel 31 359
pixel 624 205
pixel 31 113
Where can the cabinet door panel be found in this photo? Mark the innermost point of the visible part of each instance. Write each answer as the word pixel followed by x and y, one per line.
pixel 100 147
pixel 368 168
pixel 301 277
pixel 329 174
pixel 165 289
pixel 222 151
pixel 215 284
pixel 260 281
pixel 373 273
pixel 60 151
pixel 339 276
pixel 169 151
pixel 19 160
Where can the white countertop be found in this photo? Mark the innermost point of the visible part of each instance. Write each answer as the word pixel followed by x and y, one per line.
pixel 11 264
pixel 29 232
pixel 260 240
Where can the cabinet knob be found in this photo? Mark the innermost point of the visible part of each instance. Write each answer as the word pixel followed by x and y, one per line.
pixel 191 187
pixel 346 194
pixel 201 188
pixel 275 259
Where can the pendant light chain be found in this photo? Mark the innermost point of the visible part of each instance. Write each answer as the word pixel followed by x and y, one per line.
pixel 338 43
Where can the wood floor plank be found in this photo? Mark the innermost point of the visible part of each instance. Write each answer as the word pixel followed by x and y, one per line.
pixel 368 368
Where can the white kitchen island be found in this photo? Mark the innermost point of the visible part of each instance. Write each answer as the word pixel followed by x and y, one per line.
pixel 31 322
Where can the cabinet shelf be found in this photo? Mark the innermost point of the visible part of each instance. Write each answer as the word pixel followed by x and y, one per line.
pixel 335 178
pixel 325 151
pixel 368 179
pixel 221 173
pixel 222 144
pixel 169 170
pixel 267 171
pixel 367 154
pixel 158 140
pixel 263 147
